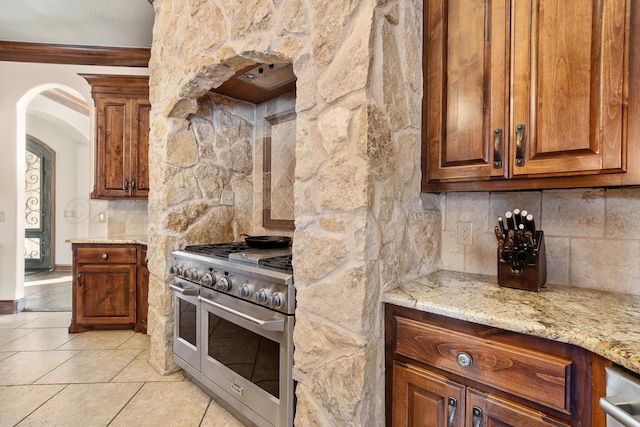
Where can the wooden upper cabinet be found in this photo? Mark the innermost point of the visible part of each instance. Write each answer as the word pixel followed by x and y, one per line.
pixel 122 136
pixel 528 89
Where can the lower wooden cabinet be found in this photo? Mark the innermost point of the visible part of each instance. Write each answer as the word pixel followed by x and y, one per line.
pixel 109 287
pixel 446 372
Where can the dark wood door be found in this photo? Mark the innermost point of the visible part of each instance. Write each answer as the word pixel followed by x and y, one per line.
pixel 485 410
pixel 140 147
pixel 568 73
pixel 105 294
pixel 466 89
pixel 424 399
pixel 525 89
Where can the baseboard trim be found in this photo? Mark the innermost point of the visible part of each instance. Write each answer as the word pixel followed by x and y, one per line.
pixel 12 306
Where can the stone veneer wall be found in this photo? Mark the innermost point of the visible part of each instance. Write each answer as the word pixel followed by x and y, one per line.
pixel 360 223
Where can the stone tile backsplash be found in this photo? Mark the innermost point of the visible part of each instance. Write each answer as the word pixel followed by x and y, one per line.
pixel 592 236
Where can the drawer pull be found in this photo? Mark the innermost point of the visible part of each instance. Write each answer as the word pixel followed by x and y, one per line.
pixel 519 149
pixel 477 417
pixel 105 256
pixel 453 405
pixel 78 282
pixel 497 138
pixel 464 360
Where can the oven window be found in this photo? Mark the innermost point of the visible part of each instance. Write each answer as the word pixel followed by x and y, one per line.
pixel 253 356
pixel 187 321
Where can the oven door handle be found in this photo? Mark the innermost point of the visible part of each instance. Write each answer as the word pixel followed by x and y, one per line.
pixel 268 325
pixel 184 291
pixel 613 406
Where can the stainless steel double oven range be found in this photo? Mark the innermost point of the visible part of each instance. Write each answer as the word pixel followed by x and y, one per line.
pixel 233 327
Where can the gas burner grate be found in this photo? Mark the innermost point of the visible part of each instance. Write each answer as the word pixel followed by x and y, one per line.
pixel 221 250
pixel 280 263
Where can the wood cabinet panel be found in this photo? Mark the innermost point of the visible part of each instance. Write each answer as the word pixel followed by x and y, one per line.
pixel 423 398
pixel 522 95
pixel 486 410
pixel 532 375
pixel 122 136
pixel 106 254
pixel 513 380
pixel 110 287
pixel 106 294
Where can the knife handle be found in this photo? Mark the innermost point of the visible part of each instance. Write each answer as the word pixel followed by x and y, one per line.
pixel 510 224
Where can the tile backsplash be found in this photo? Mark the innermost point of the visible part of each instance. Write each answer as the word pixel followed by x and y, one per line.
pixel 592 236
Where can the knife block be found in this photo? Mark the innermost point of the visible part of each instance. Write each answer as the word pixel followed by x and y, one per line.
pixel 531 273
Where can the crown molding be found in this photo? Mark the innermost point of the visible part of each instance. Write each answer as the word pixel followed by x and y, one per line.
pixel 74 54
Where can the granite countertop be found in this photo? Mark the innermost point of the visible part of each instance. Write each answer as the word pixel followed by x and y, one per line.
pixel 112 240
pixel 604 323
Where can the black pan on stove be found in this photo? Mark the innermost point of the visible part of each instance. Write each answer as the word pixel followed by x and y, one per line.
pixel 267 242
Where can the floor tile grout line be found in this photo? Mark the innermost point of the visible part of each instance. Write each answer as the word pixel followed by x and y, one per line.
pixel 64 386
pixel 127 403
pixel 125 366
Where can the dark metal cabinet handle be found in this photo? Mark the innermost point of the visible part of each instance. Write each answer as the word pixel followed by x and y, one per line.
pixel 78 282
pixel 453 405
pixel 497 158
pixel 477 416
pixel 133 185
pixel 519 150
pixel 126 184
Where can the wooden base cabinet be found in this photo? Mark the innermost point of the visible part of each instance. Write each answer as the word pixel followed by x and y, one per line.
pixel 446 372
pixel 109 288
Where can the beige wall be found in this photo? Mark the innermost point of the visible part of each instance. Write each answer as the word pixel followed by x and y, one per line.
pixel 592 236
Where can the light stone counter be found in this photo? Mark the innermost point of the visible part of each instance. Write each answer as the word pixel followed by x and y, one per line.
pixel 112 240
pixel 605 323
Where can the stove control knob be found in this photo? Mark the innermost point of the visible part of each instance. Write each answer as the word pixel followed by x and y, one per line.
pixel 246 290
pixel 196 275
pixel 263 296
pixel 207 280
pixel 172 269
pixel 179 270
pixel 188 272
pixel 277 300
pixel 224 284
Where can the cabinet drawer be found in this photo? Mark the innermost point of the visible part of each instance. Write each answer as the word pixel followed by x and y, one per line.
pixel 532 375
pixel 106 254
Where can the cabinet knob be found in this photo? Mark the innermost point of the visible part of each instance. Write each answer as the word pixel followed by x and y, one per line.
pixel 105 256
pixel 464 360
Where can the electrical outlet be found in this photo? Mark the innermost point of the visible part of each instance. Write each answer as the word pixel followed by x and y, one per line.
pixel 227 198
pixel 465 233
pixel 1 216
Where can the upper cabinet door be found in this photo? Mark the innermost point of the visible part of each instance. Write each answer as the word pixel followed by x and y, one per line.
pixel 466 88
pixel 568 73
pixel 529 94
pixel 122 136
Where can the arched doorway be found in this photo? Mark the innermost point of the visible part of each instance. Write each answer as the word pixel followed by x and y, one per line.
pixel 55 125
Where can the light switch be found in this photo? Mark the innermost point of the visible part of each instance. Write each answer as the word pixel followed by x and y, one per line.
pixel 1 216
pixel 102 217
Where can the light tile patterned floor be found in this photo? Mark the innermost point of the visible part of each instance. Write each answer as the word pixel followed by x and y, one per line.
pixel 49 377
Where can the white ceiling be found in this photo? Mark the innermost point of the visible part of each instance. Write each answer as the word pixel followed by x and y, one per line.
pixel 117 23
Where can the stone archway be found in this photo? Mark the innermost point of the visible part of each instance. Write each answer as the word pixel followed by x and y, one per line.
pixel 357 203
